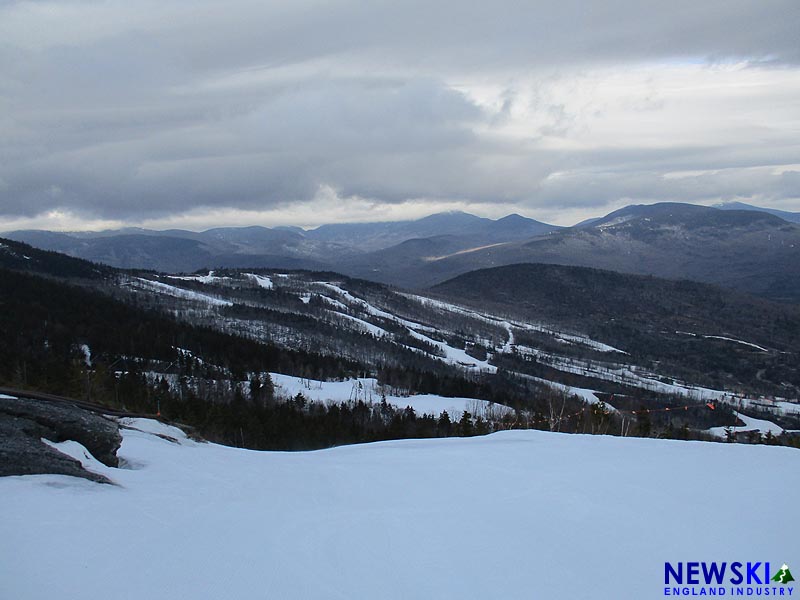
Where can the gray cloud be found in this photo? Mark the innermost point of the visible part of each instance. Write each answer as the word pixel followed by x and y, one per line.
pixel 131 110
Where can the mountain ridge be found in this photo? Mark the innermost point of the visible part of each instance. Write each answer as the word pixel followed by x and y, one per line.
pixel 792 217
pixel 749 250
pixel 183 250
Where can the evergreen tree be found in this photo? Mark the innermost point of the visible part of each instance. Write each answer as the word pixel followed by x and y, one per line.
pixel 444 426
pixel 465 427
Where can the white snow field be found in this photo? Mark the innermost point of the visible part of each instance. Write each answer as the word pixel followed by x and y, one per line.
pixel 261 280
pixel 750 424
pixel 177 292
pixel 514 515
pixel 368 390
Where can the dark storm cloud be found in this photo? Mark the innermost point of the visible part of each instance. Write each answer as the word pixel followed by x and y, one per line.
pixel 342 133
pixel 126 110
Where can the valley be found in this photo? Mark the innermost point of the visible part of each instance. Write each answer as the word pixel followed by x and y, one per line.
pixel 627 355
pixel 399 300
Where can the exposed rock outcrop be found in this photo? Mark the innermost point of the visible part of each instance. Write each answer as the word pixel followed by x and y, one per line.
pixel 23 424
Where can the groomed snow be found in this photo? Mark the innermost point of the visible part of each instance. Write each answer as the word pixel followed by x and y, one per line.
pixel 455 356
pixel 362 324
pixel 261 280
pixel 735 341
pixel 368 390
pixel 590 396
pixel 724 338
pixel 335 303
pixel 514 515
pixel 750 424
pixel 178 292
pixel 493 320
pixel 206 279
pixel 366 306
pixel 451 355
pixel 619 373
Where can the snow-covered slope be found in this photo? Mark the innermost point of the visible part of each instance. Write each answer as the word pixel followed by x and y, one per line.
pixel 514 515
pixel 367 389
pixel 475 341
pixel 750 424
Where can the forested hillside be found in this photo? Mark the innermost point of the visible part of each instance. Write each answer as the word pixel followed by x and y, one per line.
pixel 76 342
pixel 715 336
pixel 253 357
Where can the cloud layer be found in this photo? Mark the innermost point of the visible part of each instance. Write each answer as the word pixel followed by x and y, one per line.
pixel 146 111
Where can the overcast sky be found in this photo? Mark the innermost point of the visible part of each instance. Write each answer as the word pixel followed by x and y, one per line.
pixel 168 113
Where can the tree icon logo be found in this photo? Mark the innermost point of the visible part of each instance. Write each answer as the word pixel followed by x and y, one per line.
pixel 784 575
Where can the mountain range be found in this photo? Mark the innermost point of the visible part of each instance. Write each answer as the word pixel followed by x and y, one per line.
pixel 750 251
pixel 735 245
pixel 327 246
pixel 572 326
pixel 254 358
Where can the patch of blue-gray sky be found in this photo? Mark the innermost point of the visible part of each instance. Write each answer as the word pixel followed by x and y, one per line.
pixel 151 110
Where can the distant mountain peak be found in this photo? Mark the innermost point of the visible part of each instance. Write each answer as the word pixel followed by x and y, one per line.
pixel 512 218
pixel 452 212
pixel 792 217
pixel 683 214
pixel 451 216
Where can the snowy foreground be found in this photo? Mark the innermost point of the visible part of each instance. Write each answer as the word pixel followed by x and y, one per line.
pixel 524 515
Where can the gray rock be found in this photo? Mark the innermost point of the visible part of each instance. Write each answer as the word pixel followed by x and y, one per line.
pixel 23 424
